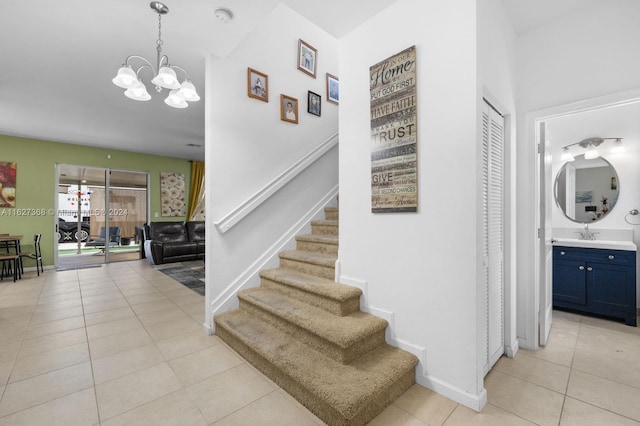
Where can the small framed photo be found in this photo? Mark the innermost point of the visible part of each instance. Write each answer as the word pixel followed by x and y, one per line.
pixel 257 85
pixel 288 109
pixel 314 103
pixel 333 89
pixel 307 58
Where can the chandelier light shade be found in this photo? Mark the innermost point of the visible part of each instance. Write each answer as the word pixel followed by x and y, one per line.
pixel 164 73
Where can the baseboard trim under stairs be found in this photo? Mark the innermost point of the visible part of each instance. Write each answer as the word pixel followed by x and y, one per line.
pixel 307 333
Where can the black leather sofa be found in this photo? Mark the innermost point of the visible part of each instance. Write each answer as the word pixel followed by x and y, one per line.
pixel 167 242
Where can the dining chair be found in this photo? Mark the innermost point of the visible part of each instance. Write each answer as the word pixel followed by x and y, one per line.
pixel 35 255
pixel 8 268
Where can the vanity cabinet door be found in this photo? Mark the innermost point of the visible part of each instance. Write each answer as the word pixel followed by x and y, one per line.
pixel 611 290
pixel 569 283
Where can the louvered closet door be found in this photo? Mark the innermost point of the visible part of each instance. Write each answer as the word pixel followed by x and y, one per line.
pixel 492 282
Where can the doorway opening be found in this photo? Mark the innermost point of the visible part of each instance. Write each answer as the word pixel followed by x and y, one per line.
pixel 553 129
pixel 100 214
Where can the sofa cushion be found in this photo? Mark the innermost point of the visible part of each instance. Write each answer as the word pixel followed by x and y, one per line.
pixel 179 249
pixel 195 230
pixel 171 232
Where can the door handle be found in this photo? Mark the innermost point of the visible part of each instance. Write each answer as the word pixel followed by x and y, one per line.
pixel 589 269
pixel 581 268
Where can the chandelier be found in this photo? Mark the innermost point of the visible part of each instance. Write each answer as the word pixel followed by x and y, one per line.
pixel 164 73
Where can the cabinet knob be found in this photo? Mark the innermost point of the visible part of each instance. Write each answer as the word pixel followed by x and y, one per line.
pixel 611 257
pixel 562 253
pixel 581 268
pixel 589 269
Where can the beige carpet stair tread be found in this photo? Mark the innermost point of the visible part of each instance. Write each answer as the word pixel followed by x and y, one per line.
pixel 312 284
pixel 342 331
pixel 346 388
pixel 325 222
pixel 309 257
pixel 325 239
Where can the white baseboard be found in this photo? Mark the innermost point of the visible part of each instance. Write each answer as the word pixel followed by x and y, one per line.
pixel 511 350
pixel 475 402
pixel 209 330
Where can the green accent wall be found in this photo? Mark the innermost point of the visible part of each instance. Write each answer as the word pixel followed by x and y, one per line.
pixel 36 177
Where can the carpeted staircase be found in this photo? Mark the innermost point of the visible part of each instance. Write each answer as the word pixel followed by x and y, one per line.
pixel 307 333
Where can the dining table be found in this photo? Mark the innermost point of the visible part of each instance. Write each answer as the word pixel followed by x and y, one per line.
pixel 12 242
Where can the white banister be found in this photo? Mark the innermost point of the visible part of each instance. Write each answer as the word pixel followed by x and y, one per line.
pixel 240 212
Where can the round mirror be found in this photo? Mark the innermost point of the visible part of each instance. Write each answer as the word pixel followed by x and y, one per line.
pixel 586 190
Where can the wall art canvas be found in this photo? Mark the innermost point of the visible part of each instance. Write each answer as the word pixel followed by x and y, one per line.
pixel 172 189
pixel 394 134
pixel 8 183
pixel 584 196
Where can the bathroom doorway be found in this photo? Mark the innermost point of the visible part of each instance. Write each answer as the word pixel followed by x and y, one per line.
pixel 561 126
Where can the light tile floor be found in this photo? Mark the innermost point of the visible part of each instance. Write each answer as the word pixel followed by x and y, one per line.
pixel 123 344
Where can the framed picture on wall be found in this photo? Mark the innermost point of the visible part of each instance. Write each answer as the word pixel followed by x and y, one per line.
pixel 333 89
pixel 257 85
pixel 314 103
pixel 307 58
pixel 288 109
pixel 8 183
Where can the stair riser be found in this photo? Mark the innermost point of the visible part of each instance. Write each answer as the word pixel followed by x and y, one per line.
pixel 314 404
pixel 308 268
pixel 340 308
pixel 321 229
pixel 316 247
pixel 331 214
pixel 333 351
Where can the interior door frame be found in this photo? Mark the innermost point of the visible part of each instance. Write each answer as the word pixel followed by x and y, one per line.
pixel 538 291
pixel 545 316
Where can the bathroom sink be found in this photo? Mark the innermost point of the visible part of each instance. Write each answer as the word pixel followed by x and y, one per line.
pixel 601 244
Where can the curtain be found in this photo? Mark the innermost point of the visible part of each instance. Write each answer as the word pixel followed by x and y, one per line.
pixel 196 197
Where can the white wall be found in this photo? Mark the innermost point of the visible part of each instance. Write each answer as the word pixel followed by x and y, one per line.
pixel 419 269
pixel 252 145
pixel 586 55
pixel 248 146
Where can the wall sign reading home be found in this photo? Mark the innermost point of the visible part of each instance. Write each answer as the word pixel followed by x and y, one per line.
pixel 394 134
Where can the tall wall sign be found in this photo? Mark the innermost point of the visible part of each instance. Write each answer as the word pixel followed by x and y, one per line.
pixel 394 134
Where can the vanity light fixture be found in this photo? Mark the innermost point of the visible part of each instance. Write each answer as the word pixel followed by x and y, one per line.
pixel 164 74
pixel 617 147
pixel 591 154
pixel 566 155
pixel 590 146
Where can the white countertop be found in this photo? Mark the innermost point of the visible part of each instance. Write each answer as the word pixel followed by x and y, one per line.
pixel 601 244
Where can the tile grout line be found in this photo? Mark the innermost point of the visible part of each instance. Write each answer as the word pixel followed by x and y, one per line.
pixel 93 379
pixel 33 307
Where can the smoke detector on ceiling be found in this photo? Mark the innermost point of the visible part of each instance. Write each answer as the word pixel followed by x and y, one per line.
pixel 223 15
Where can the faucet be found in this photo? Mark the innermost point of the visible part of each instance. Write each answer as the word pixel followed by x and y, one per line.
pixel 588 234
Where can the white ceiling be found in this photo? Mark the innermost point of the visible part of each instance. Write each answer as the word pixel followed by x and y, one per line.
pixel 528 15
pixel 58 60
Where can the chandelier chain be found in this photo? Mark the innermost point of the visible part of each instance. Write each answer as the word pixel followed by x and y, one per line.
pixel 159 42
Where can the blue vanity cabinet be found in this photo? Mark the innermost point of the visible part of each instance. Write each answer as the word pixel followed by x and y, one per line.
pixel 598 281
